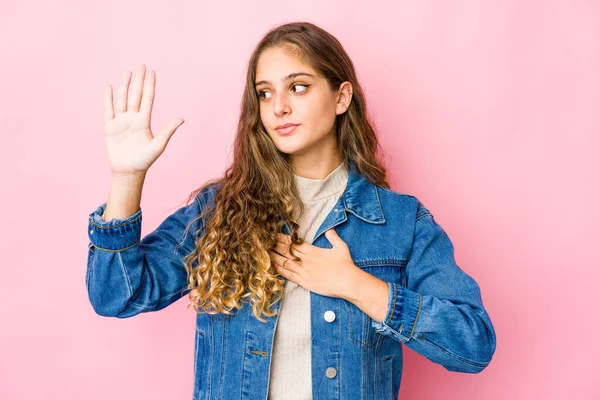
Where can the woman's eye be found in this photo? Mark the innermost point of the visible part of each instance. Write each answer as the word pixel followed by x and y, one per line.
pixel 304 86
pixel 263 94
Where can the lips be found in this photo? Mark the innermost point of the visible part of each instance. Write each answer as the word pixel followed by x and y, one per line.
pixel 286 129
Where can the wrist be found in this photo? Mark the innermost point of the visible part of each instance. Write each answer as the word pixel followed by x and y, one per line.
pixel 368 293
pixel 355 285
pixel 131 179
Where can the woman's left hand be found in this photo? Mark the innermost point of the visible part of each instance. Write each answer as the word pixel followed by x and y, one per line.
pixel 328 272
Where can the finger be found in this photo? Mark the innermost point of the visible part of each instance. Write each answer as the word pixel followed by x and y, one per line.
pixel 286 272
pixel 334 238
pixel 290 275
pixel 285 262
pixel 167 131
pixel 273 257
pixel 330 235
pixel 277 258
pixel 299 248
pixel 281 248
pixel 284 238
pixel 287 239
pixel 284 249
pixel 282 271
pixel 148 95
pixel 135 94
pixel 109 112
pixel 122 94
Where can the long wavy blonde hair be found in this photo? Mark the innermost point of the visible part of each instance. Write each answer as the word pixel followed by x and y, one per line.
pixel 256 195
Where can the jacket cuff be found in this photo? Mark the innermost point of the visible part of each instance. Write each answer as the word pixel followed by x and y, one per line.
pixel 404 307
pixel 115 234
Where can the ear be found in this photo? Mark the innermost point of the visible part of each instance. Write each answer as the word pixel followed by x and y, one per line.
pixel 344 96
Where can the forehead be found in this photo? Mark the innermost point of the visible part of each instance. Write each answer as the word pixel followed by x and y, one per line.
pixel 276 62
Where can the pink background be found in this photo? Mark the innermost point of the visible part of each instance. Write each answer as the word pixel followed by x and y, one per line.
pixel 488 111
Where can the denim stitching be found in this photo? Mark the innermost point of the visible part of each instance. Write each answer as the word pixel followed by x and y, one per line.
pixel 225 327
pixel 393 304
pixel 130 292
pixel 88 272
pixel 211 359
pixel 377 262
pixel 395 192
pixel 350 312
pixel 363 343
pixel 113 251
pixel 418 313
pixel 199 342
pixel 379 204
pixel 338 354
pixel 457 357
pixel 114 226
pixel 157 302
pixel 244 358
pixel 424 211
pixel 375 376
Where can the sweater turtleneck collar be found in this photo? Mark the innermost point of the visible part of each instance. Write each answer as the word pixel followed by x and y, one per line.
pixel 312 190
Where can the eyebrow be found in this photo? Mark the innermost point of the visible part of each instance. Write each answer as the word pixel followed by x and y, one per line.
pixel 287 78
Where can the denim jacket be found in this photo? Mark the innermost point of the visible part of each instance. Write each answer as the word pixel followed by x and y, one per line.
pixel 434 307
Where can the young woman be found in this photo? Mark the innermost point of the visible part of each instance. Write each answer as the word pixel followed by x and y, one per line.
pixel 305 269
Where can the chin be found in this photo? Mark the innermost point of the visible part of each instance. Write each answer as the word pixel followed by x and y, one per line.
pixel 289 148
pixel 290 151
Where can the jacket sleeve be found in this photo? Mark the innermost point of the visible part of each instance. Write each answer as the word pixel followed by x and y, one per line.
pixel 126 274
pixel 439 311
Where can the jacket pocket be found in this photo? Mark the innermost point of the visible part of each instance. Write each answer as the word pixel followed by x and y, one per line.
pixel 360 327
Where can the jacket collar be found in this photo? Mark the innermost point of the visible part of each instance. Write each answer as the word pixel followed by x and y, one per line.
pixel 361 198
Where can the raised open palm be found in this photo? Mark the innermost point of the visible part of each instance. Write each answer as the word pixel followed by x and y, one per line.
pixel 132 148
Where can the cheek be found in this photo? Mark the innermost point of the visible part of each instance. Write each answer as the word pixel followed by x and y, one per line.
pixel 262 113
pixel 322 113
pixel 266 118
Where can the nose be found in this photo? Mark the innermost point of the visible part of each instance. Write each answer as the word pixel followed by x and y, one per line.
pixel 281 105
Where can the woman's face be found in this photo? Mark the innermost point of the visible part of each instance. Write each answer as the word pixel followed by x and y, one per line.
pixel 291 92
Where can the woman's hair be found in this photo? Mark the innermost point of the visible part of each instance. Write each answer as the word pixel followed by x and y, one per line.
pixel 257 196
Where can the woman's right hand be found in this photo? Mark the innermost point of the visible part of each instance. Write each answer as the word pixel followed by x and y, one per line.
pixel 132 148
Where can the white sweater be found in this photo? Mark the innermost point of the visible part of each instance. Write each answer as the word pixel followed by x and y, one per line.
pixel 290 376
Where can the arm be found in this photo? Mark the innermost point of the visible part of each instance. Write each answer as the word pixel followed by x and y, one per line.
pixel 127 274
pixel 441 306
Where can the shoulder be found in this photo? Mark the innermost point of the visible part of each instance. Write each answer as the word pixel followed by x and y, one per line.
pixel 407 203
pixel 208 191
